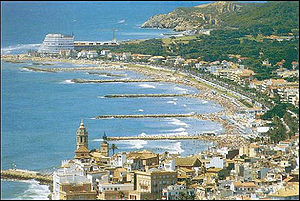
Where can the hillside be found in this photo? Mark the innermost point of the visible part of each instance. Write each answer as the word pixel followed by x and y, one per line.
pixel 268 17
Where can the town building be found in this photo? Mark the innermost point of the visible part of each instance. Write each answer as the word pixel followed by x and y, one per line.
pixel 154 180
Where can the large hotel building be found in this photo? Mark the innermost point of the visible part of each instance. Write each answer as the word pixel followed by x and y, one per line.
pixel 53 43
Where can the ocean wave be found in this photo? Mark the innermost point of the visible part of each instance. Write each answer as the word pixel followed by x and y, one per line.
pixel 132 144
pixel 26 69
pixel 97 140
pixel 141 110
pixel 100 97
pixel 204 102
pixel 35 191
pixel 121 21
pixel 20 48
pixel 172 102
pixel 177 122
pixel 147 86
pixel 67 82
pixel 180 89
pixel 173 147
pixel 179 129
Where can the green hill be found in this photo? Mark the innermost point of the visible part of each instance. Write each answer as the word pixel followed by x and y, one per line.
pixel 266 18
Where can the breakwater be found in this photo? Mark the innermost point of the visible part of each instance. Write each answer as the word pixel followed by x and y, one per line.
pixel 204 136
pixel 144 116
pixel 107 74
pixel 40 69
pixel 16 174
pixel 74 69
pixel 142 95
pixel 118 80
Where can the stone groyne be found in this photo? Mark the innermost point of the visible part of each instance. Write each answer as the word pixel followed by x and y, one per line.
pixel 107 74
pixel 142 95
pixel 15 174
pixel 118 116
pixel 40 69
pixel 117 80
pixel 204 136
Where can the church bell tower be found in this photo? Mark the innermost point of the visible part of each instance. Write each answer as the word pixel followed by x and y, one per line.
pixel 104 148
pixel 82 150
pixel 82 136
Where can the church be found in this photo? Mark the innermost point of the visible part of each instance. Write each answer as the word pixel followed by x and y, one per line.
pixel 82 151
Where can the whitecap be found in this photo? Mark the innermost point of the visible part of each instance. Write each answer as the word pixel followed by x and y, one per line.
pixel 35 191
pixel 172 102
pixel 174 148
pixel 180 89
pixel 19 48
pixel 147 86
pixel 141 110
pixel 184 105
pixel 204 102
pixel 179 129
pixel 67 82
pixel 100 97
pixel 133 144
pixel 26 69
pixel 177 122
pixel 97 140
pixel 121 21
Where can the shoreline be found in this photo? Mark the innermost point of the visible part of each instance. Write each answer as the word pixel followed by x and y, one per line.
pixel 167 76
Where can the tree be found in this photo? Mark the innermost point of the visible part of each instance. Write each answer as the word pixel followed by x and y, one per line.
pixel 113 148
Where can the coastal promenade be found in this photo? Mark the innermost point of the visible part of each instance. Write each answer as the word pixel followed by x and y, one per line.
pixel 17 174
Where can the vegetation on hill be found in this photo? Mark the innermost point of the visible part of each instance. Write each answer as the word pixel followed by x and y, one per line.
pixel 265 18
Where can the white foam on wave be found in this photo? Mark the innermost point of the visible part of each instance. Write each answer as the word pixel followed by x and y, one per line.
pixel 97 140
pixel 35 191
pixel 173 147
pixel 172 102
pixel 147 86
pixel 100 97
pixel 141 110
pixel 180 89
pixel 204 102
pixel 26 69
pixel 20 48
pixel 67 82
pixel 177 122
pixel 179 129
pixel 132 144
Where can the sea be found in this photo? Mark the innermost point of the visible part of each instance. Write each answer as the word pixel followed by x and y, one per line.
pixel 40 112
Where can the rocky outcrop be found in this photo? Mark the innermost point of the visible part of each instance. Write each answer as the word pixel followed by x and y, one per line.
pixel 193 18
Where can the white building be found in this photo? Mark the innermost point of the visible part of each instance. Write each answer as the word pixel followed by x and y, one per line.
pixel 92 54
pixel 115 187
pixel 68 173
pixel 104 52
pixel 169 165
pixel 216 162
pixel 172 192
pixel 53 43
pixel 118 160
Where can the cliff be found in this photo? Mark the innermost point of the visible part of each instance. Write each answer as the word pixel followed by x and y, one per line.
pixel 193 18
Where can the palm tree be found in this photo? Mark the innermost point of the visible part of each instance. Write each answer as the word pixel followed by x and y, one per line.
pixel 113 148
